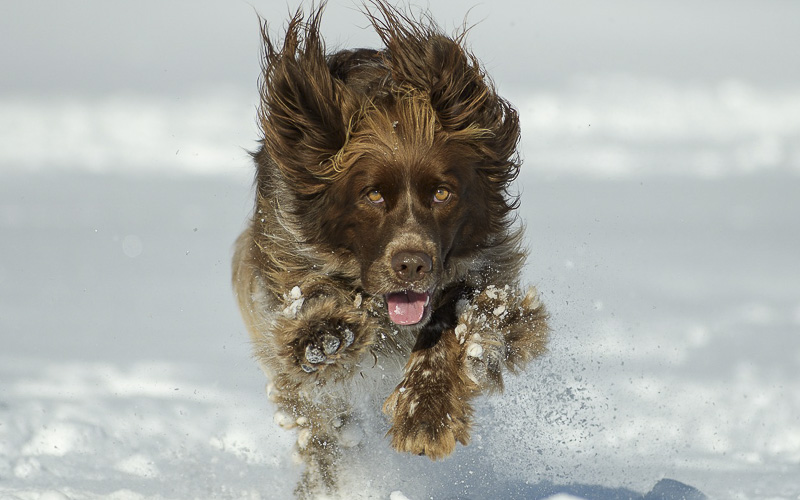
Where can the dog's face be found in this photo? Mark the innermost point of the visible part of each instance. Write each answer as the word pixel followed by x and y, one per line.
pixel 400 159
pixel 410 204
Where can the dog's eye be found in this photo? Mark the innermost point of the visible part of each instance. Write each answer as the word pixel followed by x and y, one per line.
pixel 375 197
pixel 441 195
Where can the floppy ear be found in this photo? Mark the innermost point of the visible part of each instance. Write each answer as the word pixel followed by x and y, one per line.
pixel 301 112
pixel 421 56
pixel 466 104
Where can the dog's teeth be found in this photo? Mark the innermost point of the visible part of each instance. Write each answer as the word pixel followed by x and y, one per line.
pixel 330 344
pixel 499 310
pixel 314 354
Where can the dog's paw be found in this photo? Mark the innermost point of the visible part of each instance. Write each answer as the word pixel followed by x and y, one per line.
pixel 495 304
pixel 426 425
pixel 527 331
pixel 502 326
pixel 324 345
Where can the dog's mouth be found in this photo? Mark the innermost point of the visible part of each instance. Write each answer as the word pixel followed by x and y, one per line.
pixel 408 307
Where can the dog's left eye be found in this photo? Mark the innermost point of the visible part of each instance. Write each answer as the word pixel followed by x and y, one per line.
pixel 441 195
pixel 375 197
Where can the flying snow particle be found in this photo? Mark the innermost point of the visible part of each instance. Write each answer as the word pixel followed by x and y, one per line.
pixel 474 351
pixel 303 438
pixel 461 332
pixel 291 310
pixel 284 420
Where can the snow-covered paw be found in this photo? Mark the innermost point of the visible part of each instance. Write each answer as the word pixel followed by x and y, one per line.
pixel 343 431
pixel 483 349
pixel 325 347
pixel 495 303
pixel 482 320
pixel 501 327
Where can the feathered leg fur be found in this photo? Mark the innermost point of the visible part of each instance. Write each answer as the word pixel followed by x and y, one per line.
pixel 431 408
pixel 310 337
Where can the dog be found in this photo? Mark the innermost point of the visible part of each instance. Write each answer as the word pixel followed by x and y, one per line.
pixel 383 233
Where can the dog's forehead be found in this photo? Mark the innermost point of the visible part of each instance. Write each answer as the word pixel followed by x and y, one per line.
pixel 406 166
pixel 399 142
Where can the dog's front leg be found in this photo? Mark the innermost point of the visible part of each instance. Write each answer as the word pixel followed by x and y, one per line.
pixel 430 409
pixel 319 341
pixel 324 428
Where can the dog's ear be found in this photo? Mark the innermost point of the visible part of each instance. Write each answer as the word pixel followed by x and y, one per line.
pixel 422 57
pixel 464 98
pixel 302 113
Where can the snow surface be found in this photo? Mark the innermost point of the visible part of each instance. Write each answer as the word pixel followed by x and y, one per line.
pixel 125 371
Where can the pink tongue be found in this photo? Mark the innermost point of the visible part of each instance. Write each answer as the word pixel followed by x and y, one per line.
pixel 406 308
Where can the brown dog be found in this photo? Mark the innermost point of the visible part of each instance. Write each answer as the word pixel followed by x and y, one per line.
pixel 383 230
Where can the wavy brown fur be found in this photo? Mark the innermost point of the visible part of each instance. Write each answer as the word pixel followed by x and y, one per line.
pixel 316 268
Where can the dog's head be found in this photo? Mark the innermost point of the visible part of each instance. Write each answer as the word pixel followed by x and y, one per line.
pixel 400 158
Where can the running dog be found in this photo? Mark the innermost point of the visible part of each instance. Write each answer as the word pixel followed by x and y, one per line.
pixel 383 233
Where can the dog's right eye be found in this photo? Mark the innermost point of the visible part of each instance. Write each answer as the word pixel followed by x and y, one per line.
pixel 375 197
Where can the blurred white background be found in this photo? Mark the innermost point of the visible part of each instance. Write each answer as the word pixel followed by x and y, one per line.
pixel 605 88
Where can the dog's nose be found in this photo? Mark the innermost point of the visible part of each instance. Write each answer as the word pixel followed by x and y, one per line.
pixel 411 266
